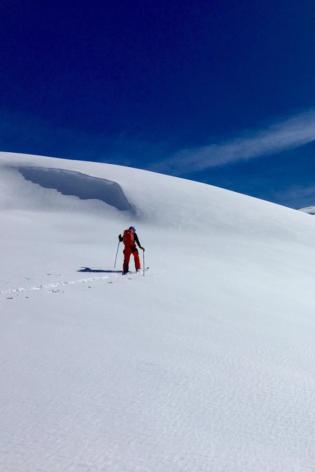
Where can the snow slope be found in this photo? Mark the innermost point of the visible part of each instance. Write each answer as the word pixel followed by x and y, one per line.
pixel 205 364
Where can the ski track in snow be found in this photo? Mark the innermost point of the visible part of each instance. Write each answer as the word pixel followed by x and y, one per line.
pixel 55 287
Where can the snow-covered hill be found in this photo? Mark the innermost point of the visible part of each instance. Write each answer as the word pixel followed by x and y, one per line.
pixel 205 364
pixel 310 210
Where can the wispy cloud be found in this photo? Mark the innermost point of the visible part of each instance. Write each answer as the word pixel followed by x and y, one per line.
pixel 280 136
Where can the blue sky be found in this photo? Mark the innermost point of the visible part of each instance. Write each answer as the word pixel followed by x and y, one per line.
pixel 216 91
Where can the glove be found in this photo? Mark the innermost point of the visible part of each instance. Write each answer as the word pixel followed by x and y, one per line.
pixel 143 249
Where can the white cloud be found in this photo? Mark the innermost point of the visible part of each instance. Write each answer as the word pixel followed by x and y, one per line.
pixel 281 136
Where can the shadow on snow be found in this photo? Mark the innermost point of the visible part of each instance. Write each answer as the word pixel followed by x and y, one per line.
pixel 103 271
pixel 79 185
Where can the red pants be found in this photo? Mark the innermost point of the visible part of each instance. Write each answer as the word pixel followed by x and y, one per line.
pixel 127 253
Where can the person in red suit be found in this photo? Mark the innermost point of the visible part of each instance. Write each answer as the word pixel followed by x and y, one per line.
pixel 131 241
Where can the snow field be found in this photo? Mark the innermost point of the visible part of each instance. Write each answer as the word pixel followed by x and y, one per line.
pixel 205 364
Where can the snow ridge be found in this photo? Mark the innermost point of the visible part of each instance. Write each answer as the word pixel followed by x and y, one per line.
pixel 79 185
pixel 310 210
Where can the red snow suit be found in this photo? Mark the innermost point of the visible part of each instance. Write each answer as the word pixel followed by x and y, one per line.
pixel 130 239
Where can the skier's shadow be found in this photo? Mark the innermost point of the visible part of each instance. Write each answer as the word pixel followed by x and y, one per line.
pixel 103 271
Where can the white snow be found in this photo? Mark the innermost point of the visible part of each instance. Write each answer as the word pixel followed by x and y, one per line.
pixel 205 364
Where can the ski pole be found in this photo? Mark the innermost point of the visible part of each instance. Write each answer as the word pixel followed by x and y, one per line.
pixel 143 261
pixel 116 254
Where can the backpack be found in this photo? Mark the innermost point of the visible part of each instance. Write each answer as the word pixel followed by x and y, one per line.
pixel 128 238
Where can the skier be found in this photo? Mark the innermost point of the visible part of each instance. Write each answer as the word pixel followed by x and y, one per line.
pixel 130 240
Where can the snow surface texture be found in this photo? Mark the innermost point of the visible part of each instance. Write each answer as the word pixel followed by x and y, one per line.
pixel 205 364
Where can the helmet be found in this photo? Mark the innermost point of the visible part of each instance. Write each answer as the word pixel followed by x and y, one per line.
pixel 132 228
